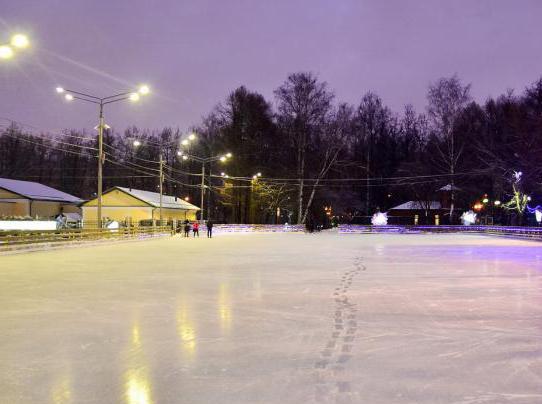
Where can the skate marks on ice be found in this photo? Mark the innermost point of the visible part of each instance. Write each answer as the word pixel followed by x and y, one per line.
pixel 331 378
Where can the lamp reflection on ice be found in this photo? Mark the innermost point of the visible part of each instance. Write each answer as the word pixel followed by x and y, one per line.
pixel 186 331
pixel 137 388
pixel 137 384
pixel 61 392
pixel 224 308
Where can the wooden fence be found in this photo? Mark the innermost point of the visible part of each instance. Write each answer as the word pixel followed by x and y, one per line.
pixel 36 239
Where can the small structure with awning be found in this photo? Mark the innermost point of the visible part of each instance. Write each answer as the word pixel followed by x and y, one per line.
pixel 135 205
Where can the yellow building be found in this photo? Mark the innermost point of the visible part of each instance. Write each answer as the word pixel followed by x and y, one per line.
pixel 122 204
pixel 25 198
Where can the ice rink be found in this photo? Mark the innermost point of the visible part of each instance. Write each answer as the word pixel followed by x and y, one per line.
pixel 275 318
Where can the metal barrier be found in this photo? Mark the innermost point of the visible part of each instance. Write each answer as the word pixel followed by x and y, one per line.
pixel 534 233
pixel 256 228
pixel 20 240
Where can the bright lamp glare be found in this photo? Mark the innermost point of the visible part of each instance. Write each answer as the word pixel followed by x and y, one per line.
pixel 134 97
pixel 20 41
pixel 144 90
pixel 137 143
pixel 184 142
pixel 185 157
pixel 68 97
pixel 179 153
pixel 192 137
pixel 228 155
pixel 259 174
pixel 222 158
pixel 59 90
pixel 6 52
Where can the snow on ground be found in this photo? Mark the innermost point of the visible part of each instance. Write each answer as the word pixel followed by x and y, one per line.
pixel 275 318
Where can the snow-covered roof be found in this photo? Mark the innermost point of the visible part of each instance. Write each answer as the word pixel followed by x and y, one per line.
pixel 37 191
pixel 153 198
pixel 449 187
pixel 415 205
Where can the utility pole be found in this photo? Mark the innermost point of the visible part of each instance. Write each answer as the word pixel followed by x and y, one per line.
pixel 100 162
pixel 202 188
pixel 161 185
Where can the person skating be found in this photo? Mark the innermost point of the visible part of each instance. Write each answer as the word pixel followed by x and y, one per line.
pixel 195 229
pixel 209 228
pixel 187 228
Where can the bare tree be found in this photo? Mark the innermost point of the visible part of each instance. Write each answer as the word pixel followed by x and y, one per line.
pixel 447 99
pixel 332 142
pixel 303 105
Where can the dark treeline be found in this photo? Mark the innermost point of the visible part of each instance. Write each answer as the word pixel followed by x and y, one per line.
pixel 313 153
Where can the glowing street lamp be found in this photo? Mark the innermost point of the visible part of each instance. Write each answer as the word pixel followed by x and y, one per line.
pixel 20 41
pixel 222 158
pixel 17 42
pixel 136 143
pixel 6 52
pixel 144 89
pixel 70 95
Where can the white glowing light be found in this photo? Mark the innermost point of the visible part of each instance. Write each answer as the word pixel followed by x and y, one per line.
pixel 20 41
pixel 68 97
pixel 144 90
pixel 6 52
pixel 59 90
pixel 137 143
pixel 259 174
pixel 185 157
pixel 134 97
pixel 185 142
pixel 228 155
pixel 538 215
pixel 468 218
pixel 192 136
pixel 179 153
pixel 379 219
pixel 223 159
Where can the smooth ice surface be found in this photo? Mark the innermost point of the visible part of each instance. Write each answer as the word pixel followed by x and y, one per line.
pixel 281 318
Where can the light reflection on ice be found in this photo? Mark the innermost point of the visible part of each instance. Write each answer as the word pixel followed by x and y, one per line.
pixel 186 330
pixel 136 377
pixel 224 308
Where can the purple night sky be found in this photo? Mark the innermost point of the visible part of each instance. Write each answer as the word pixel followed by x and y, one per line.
pixel 193 53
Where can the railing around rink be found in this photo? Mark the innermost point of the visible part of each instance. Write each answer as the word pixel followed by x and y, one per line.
pixel 534 233
pixel 257 228
pixel 36 239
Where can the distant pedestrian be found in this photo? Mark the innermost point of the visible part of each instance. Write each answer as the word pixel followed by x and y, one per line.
pixel 187 228
pixel 209 228
pixel 195 229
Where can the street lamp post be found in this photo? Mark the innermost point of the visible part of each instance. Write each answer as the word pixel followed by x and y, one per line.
pixel 207 160
pixel 70 95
